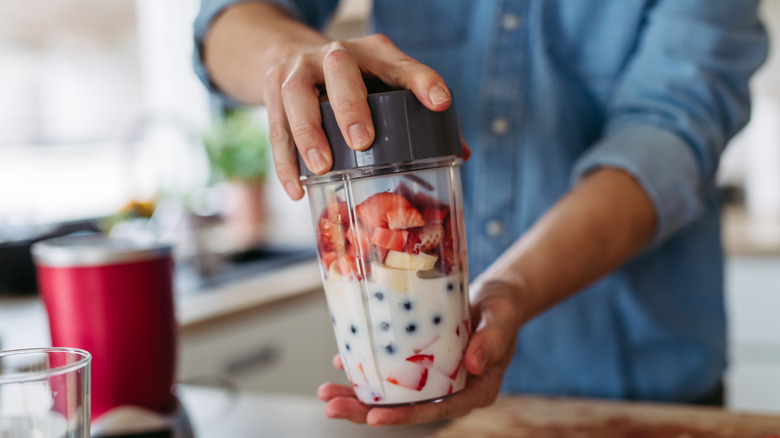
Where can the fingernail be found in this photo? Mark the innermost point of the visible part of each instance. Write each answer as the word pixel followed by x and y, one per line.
pixel 438 95
pixel 316 160
pixel 291 190
pixel 358 135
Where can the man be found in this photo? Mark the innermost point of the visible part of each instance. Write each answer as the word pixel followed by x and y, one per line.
pixel 591 211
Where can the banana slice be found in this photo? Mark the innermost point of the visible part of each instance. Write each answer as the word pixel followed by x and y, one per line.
pixel 410 262
pixel 395 279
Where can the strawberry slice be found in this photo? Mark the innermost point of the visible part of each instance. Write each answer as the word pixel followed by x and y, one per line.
pixel 430 237
pixel 433 215
pixel 330 235
pixel 413 241
pixel 373 211
pixel 328 257
pixel 417 386
pixel 403 218
pixel 337 212
pixel 361 239
pixel 348 266
pixel 454 374
pixel 379 253
pixel 425 360
pixel 390 239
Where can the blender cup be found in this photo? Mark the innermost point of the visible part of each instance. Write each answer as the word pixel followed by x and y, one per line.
pixel 392 250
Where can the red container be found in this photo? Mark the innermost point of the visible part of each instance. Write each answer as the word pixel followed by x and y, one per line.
pixel 114 299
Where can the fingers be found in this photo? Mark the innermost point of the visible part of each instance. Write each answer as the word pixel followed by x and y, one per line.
pixel 380 57
pixel 282 145
pixel 347 94
pixel 300 98
pixel 337 363
pixel 493 340
pixel 329 391
pixel 348 408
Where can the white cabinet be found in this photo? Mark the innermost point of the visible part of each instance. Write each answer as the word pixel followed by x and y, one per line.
pixel 753 303
pixel 286 346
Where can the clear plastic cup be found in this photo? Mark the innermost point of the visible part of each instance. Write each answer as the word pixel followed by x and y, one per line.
pixel 45 392
pixel 391 244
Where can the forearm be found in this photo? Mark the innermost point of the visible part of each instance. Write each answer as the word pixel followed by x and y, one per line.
pixel 246 40
pixel 594 229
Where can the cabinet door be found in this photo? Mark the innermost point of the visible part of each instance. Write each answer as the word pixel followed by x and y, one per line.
pixel 753 305
pixel 282 347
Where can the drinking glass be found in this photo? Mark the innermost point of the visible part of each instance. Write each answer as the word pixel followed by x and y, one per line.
pixel 44 393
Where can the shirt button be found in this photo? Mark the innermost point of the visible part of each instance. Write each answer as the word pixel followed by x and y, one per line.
pixel 494 228
pixel 500 126
pixel 510 22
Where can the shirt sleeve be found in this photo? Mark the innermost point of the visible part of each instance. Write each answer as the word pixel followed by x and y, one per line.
pixel 315 13
pixel 681 97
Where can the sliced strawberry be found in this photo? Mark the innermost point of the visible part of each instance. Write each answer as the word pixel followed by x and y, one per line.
pixel 425 360
pixel 433 215
pixel 403 218
pixel 418 350
pixel 360 238
pixel 454 374
pixel 373 211
pixel 337 212
pixel 430 237
pixel 417 386
pixel 390 239
pixel 348 266
pixel 378 253
pixel 413 241
pixel 327 258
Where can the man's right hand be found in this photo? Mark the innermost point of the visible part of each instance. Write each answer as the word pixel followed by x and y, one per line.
pixel 295 70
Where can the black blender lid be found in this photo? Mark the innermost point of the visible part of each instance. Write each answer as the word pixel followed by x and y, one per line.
pixel 405 131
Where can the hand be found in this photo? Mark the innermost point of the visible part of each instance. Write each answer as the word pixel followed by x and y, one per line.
pixel 291 94
pixel 495 313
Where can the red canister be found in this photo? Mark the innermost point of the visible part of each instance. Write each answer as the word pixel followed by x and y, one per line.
pixel 114 298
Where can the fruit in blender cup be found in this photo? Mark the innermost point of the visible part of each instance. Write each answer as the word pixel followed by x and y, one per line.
pixel 373 211
pixel 403 218
pixel 394 240
pixel 410 262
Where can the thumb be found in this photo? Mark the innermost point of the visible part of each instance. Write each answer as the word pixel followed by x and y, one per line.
pixel 494 339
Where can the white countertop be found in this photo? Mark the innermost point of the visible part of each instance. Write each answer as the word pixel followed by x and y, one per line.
pixel 219 413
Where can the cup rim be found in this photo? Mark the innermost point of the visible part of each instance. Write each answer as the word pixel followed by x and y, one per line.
pixel 84 359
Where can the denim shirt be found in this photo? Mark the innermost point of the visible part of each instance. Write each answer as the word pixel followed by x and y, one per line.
pixel 548 90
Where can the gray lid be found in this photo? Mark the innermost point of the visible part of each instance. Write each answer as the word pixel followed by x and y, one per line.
pixel 84 250
pixel 405 131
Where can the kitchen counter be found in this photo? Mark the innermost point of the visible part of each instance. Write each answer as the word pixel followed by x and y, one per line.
pixel 218 413
pixel 23 322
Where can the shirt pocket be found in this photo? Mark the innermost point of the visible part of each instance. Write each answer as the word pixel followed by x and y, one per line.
pixel 428 22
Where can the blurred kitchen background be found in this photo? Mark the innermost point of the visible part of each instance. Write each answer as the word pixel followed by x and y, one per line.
pixel 104 124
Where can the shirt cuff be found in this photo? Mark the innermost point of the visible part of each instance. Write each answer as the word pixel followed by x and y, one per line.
pixel 209 10
pixel 663 164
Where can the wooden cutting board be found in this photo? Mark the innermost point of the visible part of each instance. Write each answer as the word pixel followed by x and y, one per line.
pixel 548 417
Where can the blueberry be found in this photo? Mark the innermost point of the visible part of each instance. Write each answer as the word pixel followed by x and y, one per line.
pixel 384 326
pixel 411 328
pixel 379 296
pixel 347 346
pixel 353 329
pixel 436 319
pixel 390 348
pixel 450 286
pixel 407 305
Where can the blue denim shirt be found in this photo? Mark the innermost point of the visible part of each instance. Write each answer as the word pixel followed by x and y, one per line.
pixel 548 90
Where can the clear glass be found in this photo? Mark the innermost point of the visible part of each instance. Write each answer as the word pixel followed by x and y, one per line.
pixel 44 393
pixel 392 251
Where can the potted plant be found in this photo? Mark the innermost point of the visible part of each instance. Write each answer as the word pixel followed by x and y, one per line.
pixel 238 150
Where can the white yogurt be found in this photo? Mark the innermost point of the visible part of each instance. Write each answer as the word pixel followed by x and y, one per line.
pixel 400 347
